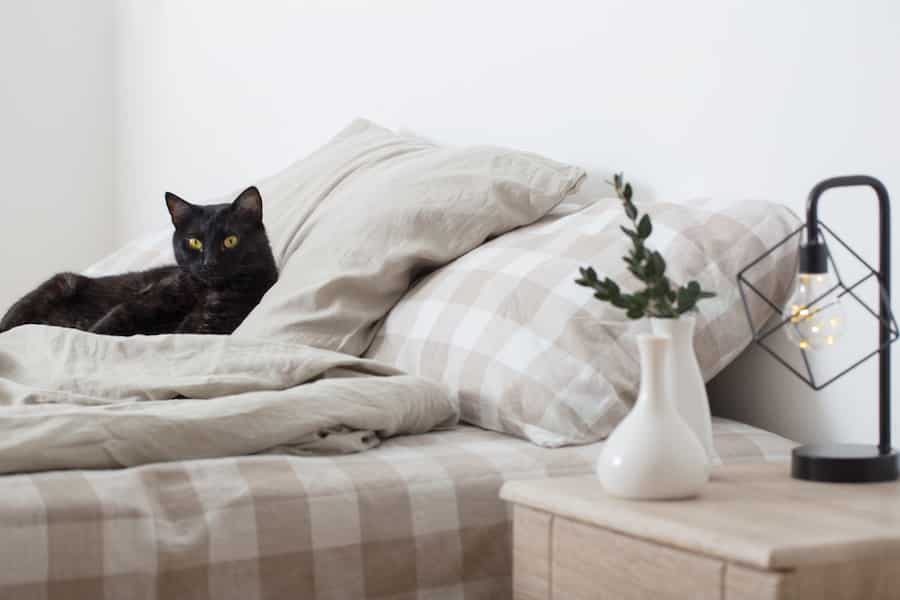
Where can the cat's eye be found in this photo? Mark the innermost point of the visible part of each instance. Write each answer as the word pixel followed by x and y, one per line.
pixel 231 241
pixel 195 244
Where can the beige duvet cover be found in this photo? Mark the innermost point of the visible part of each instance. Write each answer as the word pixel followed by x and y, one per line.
pixel 70 399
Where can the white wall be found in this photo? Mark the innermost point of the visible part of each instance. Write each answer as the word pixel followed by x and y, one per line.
pixel 56 139
pixel 713 97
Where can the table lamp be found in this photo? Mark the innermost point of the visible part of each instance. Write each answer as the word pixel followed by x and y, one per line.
pixel 814 320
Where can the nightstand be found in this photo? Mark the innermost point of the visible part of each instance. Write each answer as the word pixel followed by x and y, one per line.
pixel 752 534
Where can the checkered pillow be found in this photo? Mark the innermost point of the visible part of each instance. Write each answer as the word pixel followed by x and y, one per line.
pixel 534 355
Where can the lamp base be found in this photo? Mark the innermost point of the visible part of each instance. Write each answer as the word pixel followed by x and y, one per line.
pixel 844 463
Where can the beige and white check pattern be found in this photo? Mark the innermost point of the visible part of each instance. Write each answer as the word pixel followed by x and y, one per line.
pixel 534 355
pixel 418 518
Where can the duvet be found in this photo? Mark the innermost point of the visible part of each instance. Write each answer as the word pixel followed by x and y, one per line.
pixel 70 399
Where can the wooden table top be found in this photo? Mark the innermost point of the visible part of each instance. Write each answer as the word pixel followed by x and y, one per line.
pixel 752 514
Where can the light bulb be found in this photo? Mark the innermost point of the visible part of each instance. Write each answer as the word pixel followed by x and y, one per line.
pixel 814 326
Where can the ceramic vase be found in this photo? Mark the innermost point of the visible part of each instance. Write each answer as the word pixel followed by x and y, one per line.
pixel 684 379
pixel 653 454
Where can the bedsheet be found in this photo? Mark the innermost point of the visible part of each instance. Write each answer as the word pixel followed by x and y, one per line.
pixel 416 518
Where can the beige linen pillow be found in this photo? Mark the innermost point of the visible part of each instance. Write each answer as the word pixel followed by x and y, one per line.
pixel 355 222
pixel 534 355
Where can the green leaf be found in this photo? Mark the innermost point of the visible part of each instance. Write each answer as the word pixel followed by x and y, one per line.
pixel 645 228
pixel 640 300
pixel 627 192
pixel 635 313
pixel 629 232
pixel 656 266
pixel 687 297
pixel 611 286
pixel 617 180
pixel 630 210
pixel 640 253
pixel 662 289
pixel 620 302
pixel 664 308
pixel 686 308
pixel 585 278
pixel 659 263
pixel 588 276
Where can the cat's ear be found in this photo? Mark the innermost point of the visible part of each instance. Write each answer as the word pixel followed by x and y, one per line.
pixel 248 205
pixel 179 209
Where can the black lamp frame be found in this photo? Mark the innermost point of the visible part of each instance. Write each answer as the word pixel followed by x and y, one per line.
pixel 842 462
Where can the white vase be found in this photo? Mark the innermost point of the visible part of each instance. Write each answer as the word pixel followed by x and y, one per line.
pixel 685 380
pixel 653 454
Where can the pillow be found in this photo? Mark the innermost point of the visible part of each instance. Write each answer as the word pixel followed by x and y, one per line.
pixel 152 249
pixel 370 211
pixel 534 355
pixel 352 224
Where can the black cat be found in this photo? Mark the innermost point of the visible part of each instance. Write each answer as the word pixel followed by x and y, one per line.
pixel 225 265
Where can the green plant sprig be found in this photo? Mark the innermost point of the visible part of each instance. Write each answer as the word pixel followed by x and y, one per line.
pixel 659 298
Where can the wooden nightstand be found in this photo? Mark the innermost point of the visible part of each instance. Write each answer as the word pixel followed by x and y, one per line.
pixel 753 534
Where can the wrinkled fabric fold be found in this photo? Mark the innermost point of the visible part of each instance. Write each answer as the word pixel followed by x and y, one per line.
pixel 71 399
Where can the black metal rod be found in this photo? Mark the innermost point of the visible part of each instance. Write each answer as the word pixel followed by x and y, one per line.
pixel 884 278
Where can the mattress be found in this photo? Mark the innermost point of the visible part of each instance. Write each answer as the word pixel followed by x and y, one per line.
pixel 417 518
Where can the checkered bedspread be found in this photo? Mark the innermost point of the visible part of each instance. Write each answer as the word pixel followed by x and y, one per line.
pixel 418 518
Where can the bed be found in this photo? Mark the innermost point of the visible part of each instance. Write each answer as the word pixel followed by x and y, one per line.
pixel 499 336
pixel 418 517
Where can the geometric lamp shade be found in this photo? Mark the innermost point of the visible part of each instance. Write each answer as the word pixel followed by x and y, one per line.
pixel 835 291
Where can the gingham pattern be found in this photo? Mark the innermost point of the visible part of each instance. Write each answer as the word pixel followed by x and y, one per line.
pixel 534 355
pixel 418 518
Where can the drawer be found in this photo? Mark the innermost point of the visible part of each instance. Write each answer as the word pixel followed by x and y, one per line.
pixel 589 563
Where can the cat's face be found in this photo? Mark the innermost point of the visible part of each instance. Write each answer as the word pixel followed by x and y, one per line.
pixel 218 241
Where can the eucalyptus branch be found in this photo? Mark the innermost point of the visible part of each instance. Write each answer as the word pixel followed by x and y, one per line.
pixel 660 298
